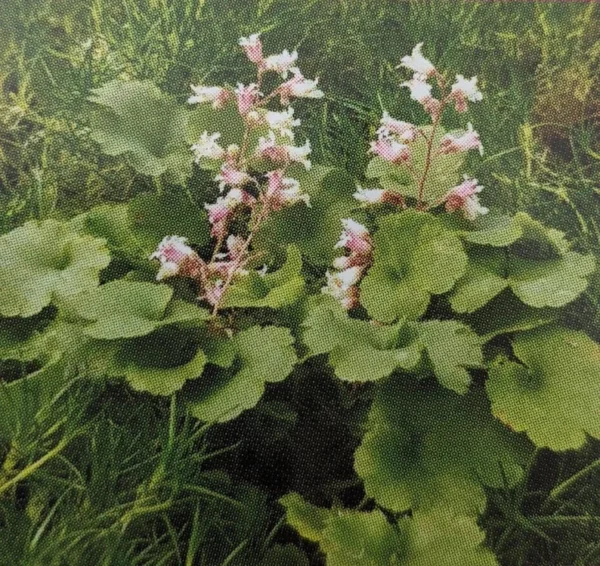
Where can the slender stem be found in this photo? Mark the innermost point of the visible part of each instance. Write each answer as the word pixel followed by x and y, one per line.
pixel 430 140
pixel 243 257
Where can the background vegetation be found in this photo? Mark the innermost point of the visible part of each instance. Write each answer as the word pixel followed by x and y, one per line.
pixel 109 477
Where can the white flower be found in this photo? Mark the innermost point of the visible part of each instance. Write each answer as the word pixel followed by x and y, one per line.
pixel 464 198
pixel 404 131
pixel 281 63
pixel 457 143
pixel 369 196
pixel 282 122
pixel 467 88
pixel 215 94
pixel 300 87
pixel 419 90
pixel 463 90
pixel 208 147
pixel 300 154
pixel 416 62
pixel 175 257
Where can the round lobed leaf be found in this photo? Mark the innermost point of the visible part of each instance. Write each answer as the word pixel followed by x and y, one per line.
pixel 262 355
pixel 553 393
pixel 428 447
pixel 415 257
pixel 46 261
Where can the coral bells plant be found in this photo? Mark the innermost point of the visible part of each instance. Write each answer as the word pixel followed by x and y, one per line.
pixel 439 316
pixel 258 195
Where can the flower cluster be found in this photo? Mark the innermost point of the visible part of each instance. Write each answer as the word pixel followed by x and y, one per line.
pixel 244 194
pixel 395 138
pixel 343 283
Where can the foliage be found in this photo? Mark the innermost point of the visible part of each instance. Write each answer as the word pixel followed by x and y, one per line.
pixel 436 401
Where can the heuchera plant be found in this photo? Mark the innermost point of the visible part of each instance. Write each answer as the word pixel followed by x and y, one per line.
pixel 424 287
pixel 244 191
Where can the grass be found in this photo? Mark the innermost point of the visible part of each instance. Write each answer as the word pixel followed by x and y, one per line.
pixel 95 481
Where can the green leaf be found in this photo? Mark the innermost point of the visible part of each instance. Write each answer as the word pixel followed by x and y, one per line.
pixel 136 119
pixel 497 231
pixel 539 283
pixel 262 355
pixel 153 216
pixel 483 280
pixel 348 538
pixel 553 393
pixel 538 241
pixel 451 348
pixel 46 261
pixel 506 314
pixel 415 257
pixel 127 309
pixel 309 520
pixel 552 282
pixel 159 363
pixel 358 350
pixel 443 173
pixel 442 538
pixel 109 221
pixel 316 229
pixel 428 447
pixel 275 290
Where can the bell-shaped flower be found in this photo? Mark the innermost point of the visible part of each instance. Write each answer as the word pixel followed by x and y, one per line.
pixel 282 63
pixel 457 143
pixel 464 198
pixel 268 148
pixel 207 146
pixel 369 196
pixel 418 63
pixel 298 86
pixel 282 122
pixel 355 238
pixel 252 46
pixel 222 211
pixel 421 92
pixel 342 286
pixel 299 154
pixel 402 131
pixel 217 95
pixel 391 150
pixel 229 175
pixel 177 258
pixel 283 191
pixel 247 96
pixel 464 90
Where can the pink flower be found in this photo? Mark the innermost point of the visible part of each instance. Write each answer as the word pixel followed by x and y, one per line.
pixel 231 176
pixel 342 286
pixel 283 191
pixel 376 196
pixel 222 211
pixel 404 131
pixel 391 150
pixel 247 97
pixel 355 237
pixel 463 90
pixel 252 47
pixel 416 62
pixel 464 197
pixel 421 92
pixel 298 87
pixel 283 154
pixel 282 63
pixel 215 94
pixel 213 291
pixel 457 143
pixel 177 258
